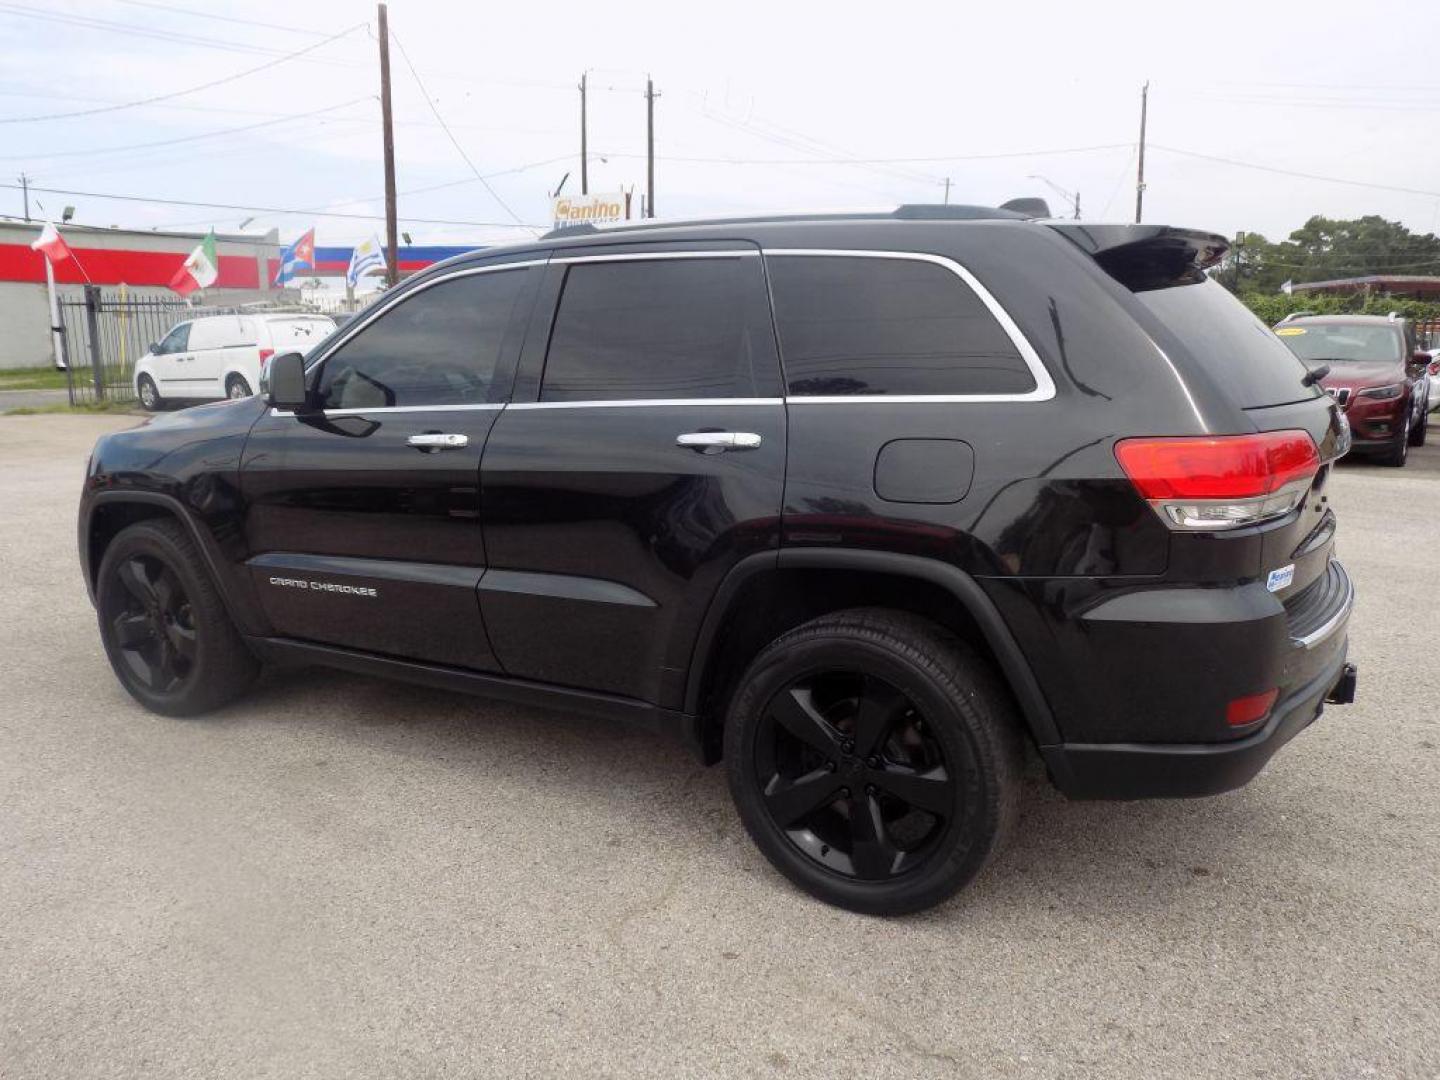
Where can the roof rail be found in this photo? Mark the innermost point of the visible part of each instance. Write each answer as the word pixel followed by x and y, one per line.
pixel 908 212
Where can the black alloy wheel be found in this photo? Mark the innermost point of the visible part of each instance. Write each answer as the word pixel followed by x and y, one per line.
pixel 165 629
pixel 152 623
pixel 851 774
pixel 874 759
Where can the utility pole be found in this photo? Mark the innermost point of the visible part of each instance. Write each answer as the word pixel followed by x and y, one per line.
pixel 584 156
pixel 25 187
pixel 947 191
pixel 1140 169
pixel 392 266
pixel 650 96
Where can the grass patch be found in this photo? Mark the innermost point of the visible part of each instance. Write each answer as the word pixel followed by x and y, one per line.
pixel 78 410
pixel 35 378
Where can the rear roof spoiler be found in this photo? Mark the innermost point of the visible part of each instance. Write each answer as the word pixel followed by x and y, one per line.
pixel 1147 256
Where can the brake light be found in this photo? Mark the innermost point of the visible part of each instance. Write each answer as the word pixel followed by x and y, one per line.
pixel 1247 710
pixel 265 355
pixel 1221 481
pixel 1435 367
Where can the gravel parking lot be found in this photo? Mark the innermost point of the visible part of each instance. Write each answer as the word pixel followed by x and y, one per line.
pixel 341 876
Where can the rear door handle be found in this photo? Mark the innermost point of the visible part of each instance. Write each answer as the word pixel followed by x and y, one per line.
pixel 717 442
pixel 435 441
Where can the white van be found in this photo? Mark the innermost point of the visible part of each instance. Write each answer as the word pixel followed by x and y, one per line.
pixel 221 355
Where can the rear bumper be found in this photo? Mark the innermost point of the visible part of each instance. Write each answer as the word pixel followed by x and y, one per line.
pixel 1178 770
pixel 1301 650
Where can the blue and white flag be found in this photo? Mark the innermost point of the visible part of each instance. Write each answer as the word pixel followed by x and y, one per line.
pixel 298 256
pixel 367 257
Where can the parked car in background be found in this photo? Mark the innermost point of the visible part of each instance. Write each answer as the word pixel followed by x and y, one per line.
pixel 221 356
pixel 1434 373
pixel 1376 373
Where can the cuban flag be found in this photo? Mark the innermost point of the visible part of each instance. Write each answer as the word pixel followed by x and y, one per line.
pixel 298 256
pixel 367 257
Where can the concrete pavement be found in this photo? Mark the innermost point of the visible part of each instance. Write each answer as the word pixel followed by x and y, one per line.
pixel 343 877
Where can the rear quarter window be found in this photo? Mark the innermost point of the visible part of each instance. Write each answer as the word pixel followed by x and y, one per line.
pixel 853 325
pixel 1242 352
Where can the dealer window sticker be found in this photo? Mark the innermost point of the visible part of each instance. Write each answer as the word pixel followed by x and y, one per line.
pixel 1290 331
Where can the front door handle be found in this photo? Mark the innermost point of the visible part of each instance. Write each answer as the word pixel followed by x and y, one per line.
pixel 717 442
pixel 434 441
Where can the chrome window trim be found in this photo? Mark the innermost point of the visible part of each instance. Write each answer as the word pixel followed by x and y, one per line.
pixel 1043 390
pixel 640 403
pixel 478 407
pixel 650 256
pixel 360 322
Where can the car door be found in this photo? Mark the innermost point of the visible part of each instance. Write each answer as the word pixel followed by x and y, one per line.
pixel 213 342
pixel 170 363
pixel 362 515
pixel 642 456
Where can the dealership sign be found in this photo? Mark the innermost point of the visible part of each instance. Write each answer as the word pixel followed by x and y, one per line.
pixel 588 209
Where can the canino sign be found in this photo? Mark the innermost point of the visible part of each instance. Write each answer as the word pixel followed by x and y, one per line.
pixel 588 209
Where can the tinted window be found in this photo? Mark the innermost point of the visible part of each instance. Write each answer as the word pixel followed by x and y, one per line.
pixel 177 340
pixel 439 347
pixel 852 325
pixel 1235 346
pixel 664 328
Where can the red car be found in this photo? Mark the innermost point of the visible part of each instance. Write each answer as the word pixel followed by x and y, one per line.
pixel 1372 366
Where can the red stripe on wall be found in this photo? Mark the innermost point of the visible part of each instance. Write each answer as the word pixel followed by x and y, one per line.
pixel 111 267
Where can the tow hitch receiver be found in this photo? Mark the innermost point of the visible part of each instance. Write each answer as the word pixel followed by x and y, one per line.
pixel 1343 692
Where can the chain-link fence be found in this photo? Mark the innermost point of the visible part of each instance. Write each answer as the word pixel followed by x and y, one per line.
pixel 108 331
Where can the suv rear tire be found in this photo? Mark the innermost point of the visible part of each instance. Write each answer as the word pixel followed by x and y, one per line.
pixel 874 759
pixel 164 626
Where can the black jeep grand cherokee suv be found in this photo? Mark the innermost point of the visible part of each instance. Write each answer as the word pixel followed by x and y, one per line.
pixel 861 504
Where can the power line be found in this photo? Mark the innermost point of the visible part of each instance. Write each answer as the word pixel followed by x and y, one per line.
pixel 882 161
pixel 110 26
pixel 184 138
pixel 261 209
pixel 176 9
pixel 190 90
pixel 448 133
pixel 1293 172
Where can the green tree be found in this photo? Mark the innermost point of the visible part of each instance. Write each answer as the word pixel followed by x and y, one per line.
pixel 1326 248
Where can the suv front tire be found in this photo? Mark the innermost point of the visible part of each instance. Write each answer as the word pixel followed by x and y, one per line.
pixel 164 626
pixel 874 759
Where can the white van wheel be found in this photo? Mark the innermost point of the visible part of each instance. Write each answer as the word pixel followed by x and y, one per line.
pixel 236 387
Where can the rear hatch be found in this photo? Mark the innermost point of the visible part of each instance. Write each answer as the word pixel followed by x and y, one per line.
pixel 1164 270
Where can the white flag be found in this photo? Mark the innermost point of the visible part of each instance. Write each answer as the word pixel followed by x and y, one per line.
pixel 1288 288
pixel 367 257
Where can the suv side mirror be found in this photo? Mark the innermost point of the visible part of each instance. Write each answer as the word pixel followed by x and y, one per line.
pixel 286 373
pixel 1420 356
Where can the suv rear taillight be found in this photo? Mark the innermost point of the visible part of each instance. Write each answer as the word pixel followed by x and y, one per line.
pixel 265 355
pixel 1221 481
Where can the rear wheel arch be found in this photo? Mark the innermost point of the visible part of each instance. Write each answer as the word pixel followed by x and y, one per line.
pixel 769 594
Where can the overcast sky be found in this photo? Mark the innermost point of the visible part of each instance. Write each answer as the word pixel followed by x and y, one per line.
pixel 987 95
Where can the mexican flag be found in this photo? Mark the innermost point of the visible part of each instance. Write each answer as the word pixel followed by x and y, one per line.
pixel 200 268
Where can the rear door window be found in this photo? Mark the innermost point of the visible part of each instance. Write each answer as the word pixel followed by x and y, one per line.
pixel 1241 351
pixel 853 325
pixel 672 329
